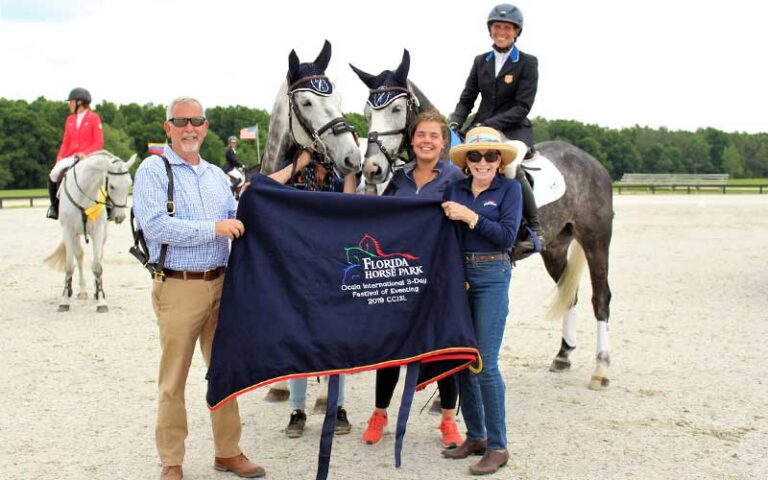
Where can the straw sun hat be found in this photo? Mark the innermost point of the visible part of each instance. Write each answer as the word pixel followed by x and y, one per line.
pixel 483 138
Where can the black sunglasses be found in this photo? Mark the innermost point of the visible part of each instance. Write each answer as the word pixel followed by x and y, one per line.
pixel 182 121
pixel 490 156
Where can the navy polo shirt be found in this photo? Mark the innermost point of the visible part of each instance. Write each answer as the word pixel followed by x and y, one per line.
pixel 500 209
pixel 403 184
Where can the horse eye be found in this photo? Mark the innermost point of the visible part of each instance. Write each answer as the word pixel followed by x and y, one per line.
pixel 397 109
pixel 306 103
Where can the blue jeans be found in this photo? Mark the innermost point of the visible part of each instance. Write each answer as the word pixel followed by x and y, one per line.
pixel 482 395
pixel 298 389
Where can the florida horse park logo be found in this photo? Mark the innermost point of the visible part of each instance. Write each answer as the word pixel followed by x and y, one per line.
pixel 376 275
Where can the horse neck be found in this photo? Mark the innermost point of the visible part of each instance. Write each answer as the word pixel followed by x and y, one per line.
pixel 423 101
pixel 279 138
pixel 91 174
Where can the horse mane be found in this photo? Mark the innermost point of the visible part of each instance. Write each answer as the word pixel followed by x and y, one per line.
pixel 278 139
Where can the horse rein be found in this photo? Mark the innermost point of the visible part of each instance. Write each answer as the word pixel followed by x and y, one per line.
pixel 108 201
pixel 338 125
pixel 410 116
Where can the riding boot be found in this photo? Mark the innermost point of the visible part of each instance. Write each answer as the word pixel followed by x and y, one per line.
pixel 531 214
pixel 53 210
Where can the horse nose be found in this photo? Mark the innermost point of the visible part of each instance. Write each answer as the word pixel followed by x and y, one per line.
pixel 372 169
pixel 351 165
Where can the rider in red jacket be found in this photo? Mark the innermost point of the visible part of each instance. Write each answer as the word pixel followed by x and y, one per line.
pixel 83 135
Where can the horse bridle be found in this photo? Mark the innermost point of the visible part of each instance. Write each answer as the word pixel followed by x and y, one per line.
pixel 338 125
pixel 410 116
pixel 108 201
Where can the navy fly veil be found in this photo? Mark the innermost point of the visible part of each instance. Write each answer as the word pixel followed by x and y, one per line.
pixel 329 283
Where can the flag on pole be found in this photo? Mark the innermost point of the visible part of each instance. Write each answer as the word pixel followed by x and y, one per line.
pixel 249 133
pixel 156 148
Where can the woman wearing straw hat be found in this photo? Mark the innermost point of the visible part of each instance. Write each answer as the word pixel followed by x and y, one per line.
pixel 507 80
pixel 490 206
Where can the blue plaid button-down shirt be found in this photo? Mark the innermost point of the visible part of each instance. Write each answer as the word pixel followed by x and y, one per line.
pixel 202 197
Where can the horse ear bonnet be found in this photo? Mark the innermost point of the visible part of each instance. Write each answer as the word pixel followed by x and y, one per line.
pixel 381 93
pixel 298 71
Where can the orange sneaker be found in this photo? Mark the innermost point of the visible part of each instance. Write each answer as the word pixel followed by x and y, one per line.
pixel 375 429
pixel 451 436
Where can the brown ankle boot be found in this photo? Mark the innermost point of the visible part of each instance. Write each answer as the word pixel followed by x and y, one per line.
pixel 491 462
pixel 240 466
pixel 469 447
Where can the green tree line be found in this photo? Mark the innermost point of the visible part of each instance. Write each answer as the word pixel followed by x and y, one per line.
pixel 30 135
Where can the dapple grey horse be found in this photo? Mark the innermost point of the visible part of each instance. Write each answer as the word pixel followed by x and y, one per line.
pixel 584 213
pixel 307 114
pixel 94 185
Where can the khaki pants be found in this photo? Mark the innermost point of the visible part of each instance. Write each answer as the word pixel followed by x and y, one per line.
pixel 187 310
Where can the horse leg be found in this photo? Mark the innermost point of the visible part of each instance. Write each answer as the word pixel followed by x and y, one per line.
pixel 321 402
pixel 596 251
pixel 555 261
pixel 99 238
pixel 69 269
pixel 77 254
pixel 278 392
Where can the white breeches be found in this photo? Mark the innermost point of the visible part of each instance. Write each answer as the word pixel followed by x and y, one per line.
pixel 65 162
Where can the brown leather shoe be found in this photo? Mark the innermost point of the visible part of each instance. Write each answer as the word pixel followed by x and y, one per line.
pixel 240 465
pixel 172 472
pixel 469 447
pixel 491 462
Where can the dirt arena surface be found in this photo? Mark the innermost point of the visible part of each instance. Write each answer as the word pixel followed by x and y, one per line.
pixel 688 397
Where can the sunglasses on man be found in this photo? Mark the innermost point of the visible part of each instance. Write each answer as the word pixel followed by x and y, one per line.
pixel 183 121
pixel 490 156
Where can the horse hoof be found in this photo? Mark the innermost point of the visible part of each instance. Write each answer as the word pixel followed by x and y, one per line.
pixel 560 364
pixel 321 405
pixel 82 296
pixel 102 309
pixel 598 383
pixel 63 308
pixel 274 395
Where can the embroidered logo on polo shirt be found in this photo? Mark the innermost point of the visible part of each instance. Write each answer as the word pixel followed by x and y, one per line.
pixel 490 203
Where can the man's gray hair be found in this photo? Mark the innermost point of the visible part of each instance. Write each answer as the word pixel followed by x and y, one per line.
pixel 178 100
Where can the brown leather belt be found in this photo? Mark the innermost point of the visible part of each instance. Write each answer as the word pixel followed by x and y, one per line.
pixel 484 257
pixel 207 275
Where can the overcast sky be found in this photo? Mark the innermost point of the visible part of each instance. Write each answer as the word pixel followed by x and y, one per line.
pixel 680 64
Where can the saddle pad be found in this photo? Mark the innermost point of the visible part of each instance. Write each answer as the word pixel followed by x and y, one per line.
pixel 548 182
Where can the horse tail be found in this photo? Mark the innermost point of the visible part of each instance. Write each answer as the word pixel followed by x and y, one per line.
pixel 568 285
pixel 58 259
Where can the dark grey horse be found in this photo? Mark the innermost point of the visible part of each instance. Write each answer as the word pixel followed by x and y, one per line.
pixel 584 213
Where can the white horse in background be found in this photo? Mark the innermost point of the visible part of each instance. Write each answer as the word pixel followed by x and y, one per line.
pixel 94 185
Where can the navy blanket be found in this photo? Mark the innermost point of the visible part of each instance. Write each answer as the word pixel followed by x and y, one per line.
pixel 326 283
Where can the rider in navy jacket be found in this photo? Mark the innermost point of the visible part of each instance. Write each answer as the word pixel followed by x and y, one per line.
pixel 507 80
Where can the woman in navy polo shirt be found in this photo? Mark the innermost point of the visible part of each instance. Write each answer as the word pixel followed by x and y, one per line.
pixel 428 176
pixel 491 207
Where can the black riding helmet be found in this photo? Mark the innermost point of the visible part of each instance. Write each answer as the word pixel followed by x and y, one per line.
pixel 507 13
pixel 80 94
